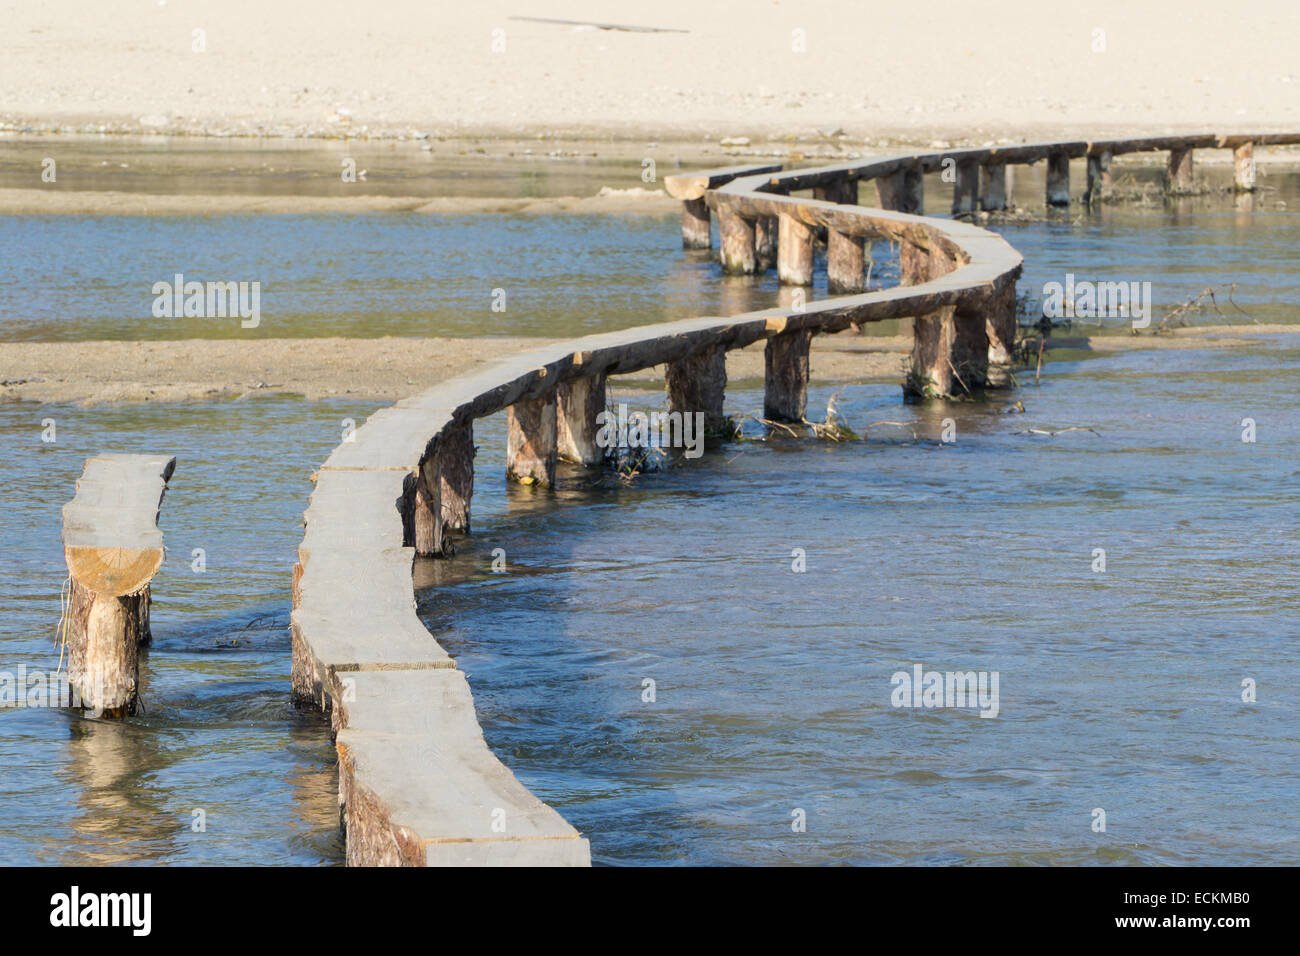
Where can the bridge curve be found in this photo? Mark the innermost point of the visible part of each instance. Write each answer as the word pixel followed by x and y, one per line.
pixel 417 783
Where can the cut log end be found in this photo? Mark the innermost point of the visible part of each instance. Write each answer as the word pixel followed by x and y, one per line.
pixel 113 571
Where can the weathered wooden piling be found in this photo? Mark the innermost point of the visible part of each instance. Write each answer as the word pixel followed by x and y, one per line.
pixel 785 360
pixel 965 189
pixel 1000 328
pixel 902 190
pixel 993 187
pixel 845 263
pixel 698 383
pixel 794 253
pixel 765 242
pixel 736 242
pixel 1243 163
pixel 1179 170
pixel 1098 184
pixel 889 191
pixel 531 441
pixel 113 548
pixel 950 346
pixel 695 224
pixel 581 400
pixel 425 509
pixel 1058 178
pixel 456 476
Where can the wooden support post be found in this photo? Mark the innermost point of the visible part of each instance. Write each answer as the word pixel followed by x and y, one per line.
pixel 698 383
pixel 456 476
pixel 113 548
pixel 845 263
pixel 842 191
pixel 736 235
pixel 765 242
pixel 695 223
pixel 530 441
pixel 426 511
pixel 1099 182
pixel 1000 327
pixel 889 191
pixel 794 255
pixel 965 189
pixel 913 195
pixel 785 360
pixel 580 401
pixel 950 350
pixel 1180 171
pixel 993 187
pixel 1243 160
pixel 913 264
pixel 1058 178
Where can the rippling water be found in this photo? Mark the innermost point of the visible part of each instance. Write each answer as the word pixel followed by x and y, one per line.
pixel 1118 691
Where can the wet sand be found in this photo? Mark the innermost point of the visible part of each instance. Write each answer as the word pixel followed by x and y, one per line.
pixel 389 369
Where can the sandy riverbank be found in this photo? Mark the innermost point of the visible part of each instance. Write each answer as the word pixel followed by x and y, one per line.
pixel 40 202
pixel 389 369
pixel 808 70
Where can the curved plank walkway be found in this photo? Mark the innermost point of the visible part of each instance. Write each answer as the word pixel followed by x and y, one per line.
pixel 417 782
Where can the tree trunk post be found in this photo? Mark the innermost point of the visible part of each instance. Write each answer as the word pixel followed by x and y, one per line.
pixel 426 511
pixel 765 242
pixel 913 196
pixel 736 234
pixel 1058 178
pixel 456 476
pixel 785 360
pixel 993 187
pixel 845 263
pixel 580 401
pixel 1099 181
pixel 1243 162
pixel 695 224
pixel 794 255
pixel 1180 171
pixel 1000 327
pixel 889 191
pixel 530 441
pixel 113 548
pixel 965 189
pixel 698 383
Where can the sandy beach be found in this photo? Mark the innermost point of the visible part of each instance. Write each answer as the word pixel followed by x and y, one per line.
pixel 389 369
pixel 810 71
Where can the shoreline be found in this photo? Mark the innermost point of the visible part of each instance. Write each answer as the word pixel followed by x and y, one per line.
pixel 392 368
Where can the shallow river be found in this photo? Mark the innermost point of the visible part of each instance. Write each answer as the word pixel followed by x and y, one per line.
pixel 1118 690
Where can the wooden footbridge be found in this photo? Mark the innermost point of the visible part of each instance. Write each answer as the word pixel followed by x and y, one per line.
pixel 418 784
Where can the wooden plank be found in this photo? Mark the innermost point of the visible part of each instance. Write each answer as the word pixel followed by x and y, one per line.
pixel 694 185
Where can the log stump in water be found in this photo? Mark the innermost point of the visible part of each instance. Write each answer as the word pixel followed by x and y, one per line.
pixel 785 359
pixel 580 402
pixel 695 224
pixel 1058 178
pixel 1243 159
pixel 531 441
pixel 736 243
pixel 113 548
pixel 993 187
pixel 698 383
pixel 1180 171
